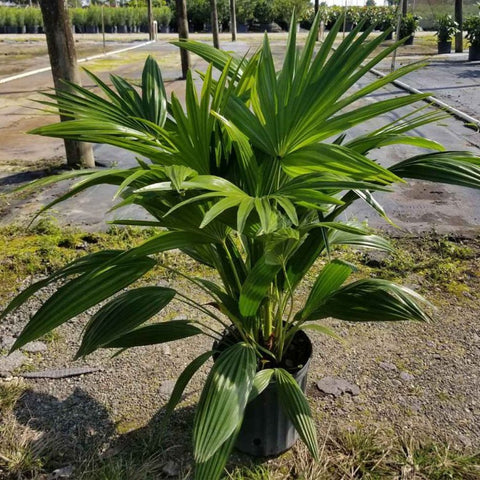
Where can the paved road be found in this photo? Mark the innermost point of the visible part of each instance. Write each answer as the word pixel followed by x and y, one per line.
pixel 417 208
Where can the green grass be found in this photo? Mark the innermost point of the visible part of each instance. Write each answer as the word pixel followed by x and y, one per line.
pixel 46 247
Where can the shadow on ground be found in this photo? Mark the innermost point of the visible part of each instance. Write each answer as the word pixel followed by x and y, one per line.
pixel 79 431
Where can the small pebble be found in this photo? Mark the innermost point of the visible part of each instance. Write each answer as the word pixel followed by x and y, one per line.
pixel 166 388
pixel 406 377
pixel 387 366
pixel 11 362
pixel 34 347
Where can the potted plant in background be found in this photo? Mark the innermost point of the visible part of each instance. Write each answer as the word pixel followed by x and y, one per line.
pixel 264 16
pixel 251 179
pixel 163 15
pixel 33 20
pixel 386 21
pixel 284 9
pixel 244 14
pixel 472 27
pixel 446 28
pixel 408 27
pixel 120 19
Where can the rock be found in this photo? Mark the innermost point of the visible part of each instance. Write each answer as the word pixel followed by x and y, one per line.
pixel 166 350
pixel 337 386
pixel 34 347
pixel 6 342
pixel 64 472
pixel 11 362
pixel 375 258
pixel 171 469
pixel 406 377
pixel 388 367
pixel 166 388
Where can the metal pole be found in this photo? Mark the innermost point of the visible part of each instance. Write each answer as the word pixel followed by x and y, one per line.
pixel 397 33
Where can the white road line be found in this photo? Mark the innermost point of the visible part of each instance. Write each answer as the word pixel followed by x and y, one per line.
pixel 82 60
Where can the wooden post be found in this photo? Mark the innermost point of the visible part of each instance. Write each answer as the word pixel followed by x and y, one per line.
pixel 214 20
pixel 459 20
pixel 182 25
pixel 404 8
pixel 63 60
pixel 151 35
pixel 233 20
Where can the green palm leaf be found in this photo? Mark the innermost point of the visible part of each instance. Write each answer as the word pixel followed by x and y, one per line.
pixel 456 168
pixel 296 407
pixel 372 300
pixel 222 403
pixel 154 334
pixel 122 314
pixel 82 293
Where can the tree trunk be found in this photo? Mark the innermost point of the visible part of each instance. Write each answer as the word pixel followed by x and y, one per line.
pixel 404 8
pixel 459 20
pixel 151 34
pixel 216 38
pixel 63 60
pixel 182 25
pixel 233 20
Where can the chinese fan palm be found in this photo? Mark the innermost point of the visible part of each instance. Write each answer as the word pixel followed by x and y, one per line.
pixel 249 177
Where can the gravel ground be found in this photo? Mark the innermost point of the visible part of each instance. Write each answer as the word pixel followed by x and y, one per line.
pixel 420 380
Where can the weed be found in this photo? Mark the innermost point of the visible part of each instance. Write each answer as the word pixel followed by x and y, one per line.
pixel 258 472
pixel 10 392
pixel 439 461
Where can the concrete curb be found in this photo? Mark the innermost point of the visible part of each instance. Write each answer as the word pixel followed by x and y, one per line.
pixel 82 60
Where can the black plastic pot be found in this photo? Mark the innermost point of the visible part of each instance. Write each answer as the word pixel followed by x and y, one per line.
pixel 266 430
pixel 409 40
pixel 32 28
pixel 473 53
pixel 444 47
pixel 242 27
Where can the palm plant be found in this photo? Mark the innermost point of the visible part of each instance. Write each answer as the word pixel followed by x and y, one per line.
pixel 250 179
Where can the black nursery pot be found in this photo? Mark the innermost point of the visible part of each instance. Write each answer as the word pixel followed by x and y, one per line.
pixel 474 53
pixel 444 47
pixel 266 430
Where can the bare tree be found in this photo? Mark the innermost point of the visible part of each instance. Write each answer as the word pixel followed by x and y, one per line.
pixel 459 20
pixel 182 26
pixel 63 59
